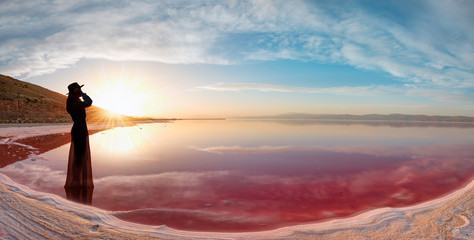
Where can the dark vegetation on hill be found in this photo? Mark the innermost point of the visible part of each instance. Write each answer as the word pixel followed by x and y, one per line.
pixel 25 102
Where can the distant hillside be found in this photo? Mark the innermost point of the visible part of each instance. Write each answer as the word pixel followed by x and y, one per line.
pixel 25 102
pixel 367 117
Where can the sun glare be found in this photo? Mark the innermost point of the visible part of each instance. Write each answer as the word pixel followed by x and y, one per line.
pixel 120 140
pixel 121 96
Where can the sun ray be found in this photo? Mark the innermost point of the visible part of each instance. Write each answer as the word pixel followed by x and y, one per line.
pixel 121 94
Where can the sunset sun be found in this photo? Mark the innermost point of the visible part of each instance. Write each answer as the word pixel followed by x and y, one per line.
pixel 121 96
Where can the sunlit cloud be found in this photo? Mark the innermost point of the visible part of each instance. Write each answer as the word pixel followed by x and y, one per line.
pixel 281 149
pixel 431 42
pixel 283 88
pixel 410 90
pixel 450 150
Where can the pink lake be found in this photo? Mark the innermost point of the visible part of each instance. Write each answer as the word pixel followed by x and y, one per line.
pixel 233 175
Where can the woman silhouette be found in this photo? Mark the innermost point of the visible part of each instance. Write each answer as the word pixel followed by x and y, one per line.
pixel 79 171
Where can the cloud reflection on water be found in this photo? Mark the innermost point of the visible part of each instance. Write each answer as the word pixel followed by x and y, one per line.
pixel 278 200
pixel 234 199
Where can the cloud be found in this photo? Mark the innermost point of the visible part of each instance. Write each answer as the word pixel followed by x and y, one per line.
pixel 361 90
pixel 257 150
pixel 34 175
pixel 431 43
pixel 57 35
pixel 453 95
pixel 452 151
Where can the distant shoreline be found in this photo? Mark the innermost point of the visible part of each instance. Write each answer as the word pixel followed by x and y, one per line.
pixel 390 123
pixel 365 117
pixel 338 120
pixel 69 121
pixel 280 117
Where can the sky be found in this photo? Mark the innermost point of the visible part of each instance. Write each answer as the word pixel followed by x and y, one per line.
pixel 242 58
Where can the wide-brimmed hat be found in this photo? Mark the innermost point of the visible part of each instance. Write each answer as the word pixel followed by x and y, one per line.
pixel 73 86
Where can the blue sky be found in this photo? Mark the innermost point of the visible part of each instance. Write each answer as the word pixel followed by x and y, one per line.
pixel 227 58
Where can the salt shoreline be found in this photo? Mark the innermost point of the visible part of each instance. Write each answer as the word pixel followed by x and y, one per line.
pixel 30 214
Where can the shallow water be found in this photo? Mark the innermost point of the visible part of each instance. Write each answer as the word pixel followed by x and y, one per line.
pixel 255 175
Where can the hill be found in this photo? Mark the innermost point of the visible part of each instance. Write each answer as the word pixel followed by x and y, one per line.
pixel 25 102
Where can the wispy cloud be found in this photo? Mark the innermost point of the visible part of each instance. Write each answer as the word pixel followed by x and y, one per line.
pixel 431 42
pixel 452 150
pixel 411 90
pixel 284 88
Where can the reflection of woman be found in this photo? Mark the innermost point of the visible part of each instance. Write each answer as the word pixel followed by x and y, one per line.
pixel 79 171
pixel 80 194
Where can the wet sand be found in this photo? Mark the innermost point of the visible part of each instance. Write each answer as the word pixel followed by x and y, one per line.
pixel 35 215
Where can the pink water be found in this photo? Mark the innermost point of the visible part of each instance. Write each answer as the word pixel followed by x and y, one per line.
pixel 256 175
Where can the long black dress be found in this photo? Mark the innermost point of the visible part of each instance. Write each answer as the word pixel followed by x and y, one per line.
pixel 79 171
